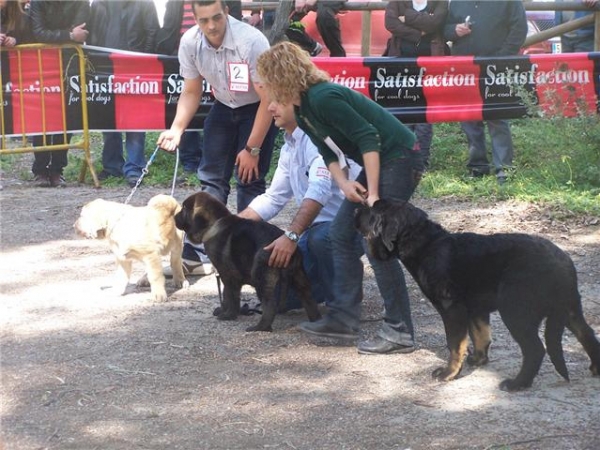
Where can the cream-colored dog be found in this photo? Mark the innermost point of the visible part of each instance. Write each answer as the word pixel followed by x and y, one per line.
pixel 143 233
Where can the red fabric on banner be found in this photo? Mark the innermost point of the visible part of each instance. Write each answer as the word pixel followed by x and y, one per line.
pixel 349 72
pixel 452 95
pixel 38 90
pixel 566 86
pixel 137 85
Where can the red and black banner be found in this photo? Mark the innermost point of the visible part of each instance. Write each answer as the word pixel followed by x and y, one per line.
pixel 42 89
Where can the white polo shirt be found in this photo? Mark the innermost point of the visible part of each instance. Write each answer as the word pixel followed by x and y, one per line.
pixel 301 174
pixel 230 69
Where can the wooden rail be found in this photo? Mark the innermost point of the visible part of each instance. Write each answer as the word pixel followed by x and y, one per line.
pixel 368 7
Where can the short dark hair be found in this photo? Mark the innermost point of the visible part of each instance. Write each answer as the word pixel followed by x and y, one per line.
pixel 207 2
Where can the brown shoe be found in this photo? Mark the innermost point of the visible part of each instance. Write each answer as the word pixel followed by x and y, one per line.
pixel 41 180
pixel 57 180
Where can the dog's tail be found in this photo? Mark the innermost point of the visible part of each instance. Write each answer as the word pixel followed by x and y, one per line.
pixel 555 326
pixel 165 201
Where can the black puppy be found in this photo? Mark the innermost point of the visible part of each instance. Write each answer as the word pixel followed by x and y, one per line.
pixel 467 276
pixel 235 247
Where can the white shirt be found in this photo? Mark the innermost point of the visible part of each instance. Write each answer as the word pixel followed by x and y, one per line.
pixel 242 44
pixel 301 174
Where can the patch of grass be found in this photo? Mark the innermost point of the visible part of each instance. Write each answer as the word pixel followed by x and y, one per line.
pixel 557 162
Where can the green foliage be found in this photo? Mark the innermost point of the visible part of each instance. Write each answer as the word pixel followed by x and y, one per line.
pixel 557 162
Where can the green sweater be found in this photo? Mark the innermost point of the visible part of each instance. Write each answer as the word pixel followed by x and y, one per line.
pixel 354 122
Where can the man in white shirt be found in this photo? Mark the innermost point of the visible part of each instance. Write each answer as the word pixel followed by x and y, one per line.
pixel 238 131
pixel 301 174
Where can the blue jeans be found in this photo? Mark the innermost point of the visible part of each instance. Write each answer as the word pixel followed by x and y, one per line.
pixel 190 150
pixel 317 260
pixel 395 183
pixel 226 133
pixel 112 153
pixel 502 147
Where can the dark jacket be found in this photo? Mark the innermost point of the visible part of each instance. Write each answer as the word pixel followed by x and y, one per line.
pixel 21 29
pixel 499 27
pixel 124 25
pixel 52 21
pixel 167 38
pixel 407 38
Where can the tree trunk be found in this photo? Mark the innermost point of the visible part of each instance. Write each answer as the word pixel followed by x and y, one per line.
pixel 282 21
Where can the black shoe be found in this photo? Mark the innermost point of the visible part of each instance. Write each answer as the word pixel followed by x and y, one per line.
pixel 41 180
pixel 132 180
pixel 380 346
pixel 57 180
pixel 327 327
pixel 476 173
pixel 103 175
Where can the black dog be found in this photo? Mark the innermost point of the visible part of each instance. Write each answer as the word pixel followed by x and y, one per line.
pixel 467 276
pixel 235 247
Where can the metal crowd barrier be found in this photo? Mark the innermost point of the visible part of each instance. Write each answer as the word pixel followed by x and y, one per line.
pixel 23 146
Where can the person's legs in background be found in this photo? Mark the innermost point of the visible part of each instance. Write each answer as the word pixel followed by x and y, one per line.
pixel 48 166
pixel 112 155
pixel 190 151
pixel 478 163
pixel 296 33
pixel 135 162
pixel 424 133
pixel 329 26
pixel 502 147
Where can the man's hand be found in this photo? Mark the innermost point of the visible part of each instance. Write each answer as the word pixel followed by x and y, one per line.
pixel 247 166
pixel 254 19
pixel 169 140
pixel 281 250
pixel 462 29
pixel 79 33
pixel 591 3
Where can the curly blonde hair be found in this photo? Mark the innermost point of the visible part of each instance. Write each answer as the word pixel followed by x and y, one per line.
pixel 286 71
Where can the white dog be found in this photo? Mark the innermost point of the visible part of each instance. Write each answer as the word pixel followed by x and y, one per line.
pixel 142 233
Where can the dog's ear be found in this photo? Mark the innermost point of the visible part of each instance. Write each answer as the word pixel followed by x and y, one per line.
pixel 382 226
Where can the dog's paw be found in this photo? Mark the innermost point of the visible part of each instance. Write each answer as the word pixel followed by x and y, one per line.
pixel 477 360
pixel 444 374
pixel 159 297
pixel 510 385
pixel 184 284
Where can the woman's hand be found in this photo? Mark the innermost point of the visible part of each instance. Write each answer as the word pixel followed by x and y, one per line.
pixel 354 191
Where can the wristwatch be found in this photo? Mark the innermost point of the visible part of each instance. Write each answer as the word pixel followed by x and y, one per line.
pixel 292 236
pixel 254 151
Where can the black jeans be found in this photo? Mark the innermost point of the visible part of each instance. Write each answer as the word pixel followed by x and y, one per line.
pixel 329 26
pixel 45 163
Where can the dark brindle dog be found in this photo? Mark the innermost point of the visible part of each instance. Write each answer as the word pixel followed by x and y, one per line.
pixel 467 276
pixel 235 247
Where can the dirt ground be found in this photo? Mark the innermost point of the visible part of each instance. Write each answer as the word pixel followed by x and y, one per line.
pixel 82 368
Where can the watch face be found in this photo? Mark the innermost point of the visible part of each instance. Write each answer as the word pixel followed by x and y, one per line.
pixel 255 151
pixel 292 236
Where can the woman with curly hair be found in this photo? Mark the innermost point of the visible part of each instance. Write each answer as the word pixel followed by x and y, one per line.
pixel 343 122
